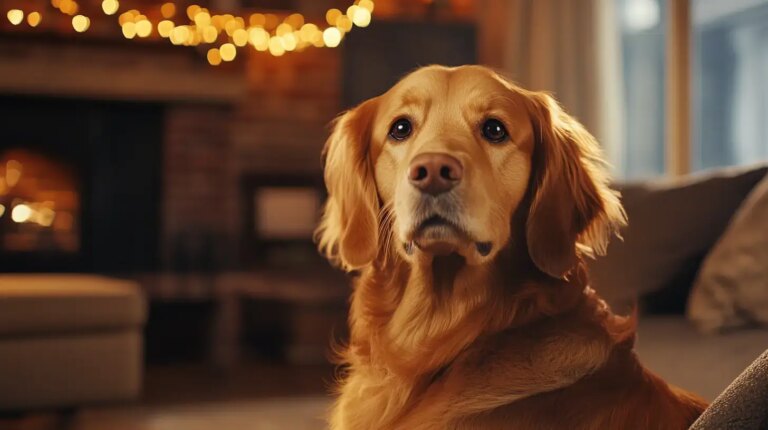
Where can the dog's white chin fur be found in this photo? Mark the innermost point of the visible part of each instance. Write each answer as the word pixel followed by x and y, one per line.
pixel 441 241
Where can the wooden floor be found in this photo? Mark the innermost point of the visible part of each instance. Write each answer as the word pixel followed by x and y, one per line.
pixel 257 397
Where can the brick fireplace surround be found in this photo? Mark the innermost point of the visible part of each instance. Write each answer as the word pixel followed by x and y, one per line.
pixel 260 115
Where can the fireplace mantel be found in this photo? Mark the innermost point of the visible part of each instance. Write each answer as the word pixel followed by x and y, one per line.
pixel 116 70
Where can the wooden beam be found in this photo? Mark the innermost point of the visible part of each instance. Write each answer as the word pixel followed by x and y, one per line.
pixel 678 92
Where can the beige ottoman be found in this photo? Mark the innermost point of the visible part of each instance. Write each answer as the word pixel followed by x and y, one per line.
pixel 68 341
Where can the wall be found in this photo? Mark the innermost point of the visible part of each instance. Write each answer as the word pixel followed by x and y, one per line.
pixel 283 122
pixel 279 125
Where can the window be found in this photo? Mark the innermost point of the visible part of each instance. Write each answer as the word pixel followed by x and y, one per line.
pixel 728 103
pixel 730 82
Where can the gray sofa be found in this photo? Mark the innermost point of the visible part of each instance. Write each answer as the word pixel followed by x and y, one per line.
pixel 69 340
pixel 672 226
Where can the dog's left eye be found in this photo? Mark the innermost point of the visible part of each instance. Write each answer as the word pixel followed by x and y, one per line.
pixel 494 131
pixel 401 129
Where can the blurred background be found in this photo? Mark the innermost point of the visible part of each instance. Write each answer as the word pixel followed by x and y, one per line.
pixel 160 179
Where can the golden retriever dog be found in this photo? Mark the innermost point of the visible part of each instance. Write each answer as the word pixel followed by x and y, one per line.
pixel 468 205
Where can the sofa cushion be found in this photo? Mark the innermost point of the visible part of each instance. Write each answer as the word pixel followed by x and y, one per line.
pixel 46 304
pixel 672 225
pixel 732 286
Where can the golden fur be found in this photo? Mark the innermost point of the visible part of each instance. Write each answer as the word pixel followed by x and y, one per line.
pixel 511 339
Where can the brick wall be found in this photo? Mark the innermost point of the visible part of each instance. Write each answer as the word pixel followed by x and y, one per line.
pixel 199 182
pixel 278 126
pixel 282 123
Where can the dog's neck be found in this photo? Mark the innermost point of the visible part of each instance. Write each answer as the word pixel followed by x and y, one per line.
pixel 413 320
pixel 444 270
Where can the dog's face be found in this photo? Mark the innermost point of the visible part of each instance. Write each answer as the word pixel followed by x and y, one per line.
pixel 441 162
pixel 451 153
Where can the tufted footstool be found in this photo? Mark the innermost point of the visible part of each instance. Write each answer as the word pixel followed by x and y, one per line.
pixel 69 340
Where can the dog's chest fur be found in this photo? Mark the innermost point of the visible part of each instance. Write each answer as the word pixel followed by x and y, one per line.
pixel 419 351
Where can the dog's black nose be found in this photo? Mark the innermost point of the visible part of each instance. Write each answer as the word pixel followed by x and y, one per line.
pixel 435 173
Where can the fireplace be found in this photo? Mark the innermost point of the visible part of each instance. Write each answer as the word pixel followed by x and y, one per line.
pixel 39 204
pixel 79 185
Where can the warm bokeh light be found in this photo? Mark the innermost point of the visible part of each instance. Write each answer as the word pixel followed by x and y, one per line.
pixel 259 38
pixel 289 42
pixel 214 57
pixel 228 52
pixel 366 4
pixel 110 7
pixel 317 39
pixel 233 24
pixel 295 20
pixel 362 17
pixel 351 11
pixel 203 19
pixel 168 10
pixel 179 35
pixel 21 213
pixel 192 10
pixel 332 15
pixel 129 30
pixel 193 37
pixel 126 17
pixel 15 16
pixel 307 31
pixel 344 23
pixel 283 29
pixel 13 169
pixel 265 32
pixel 270 21
pixel 143 28
pixel 81 23
pixel 332 37
pixel 210 34
pixel 276 47
pixel 240 37
pixel 69 7
pixel 2 210
pixel 34 18
pixel 45 217
pixel 257 20
pixel 164 28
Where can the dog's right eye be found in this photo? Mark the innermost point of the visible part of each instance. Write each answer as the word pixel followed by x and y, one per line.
pixel 494 131
pixel 401 129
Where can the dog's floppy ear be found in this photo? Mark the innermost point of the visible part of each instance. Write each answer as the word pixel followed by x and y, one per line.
pixel 573 211
pixel 349 229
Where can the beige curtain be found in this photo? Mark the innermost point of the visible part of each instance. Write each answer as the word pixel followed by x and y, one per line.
pixel 568 47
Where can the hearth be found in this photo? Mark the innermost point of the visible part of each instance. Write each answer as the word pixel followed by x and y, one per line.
pixel 79 185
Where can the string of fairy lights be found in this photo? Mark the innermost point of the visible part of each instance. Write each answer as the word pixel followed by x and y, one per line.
pixel 225 33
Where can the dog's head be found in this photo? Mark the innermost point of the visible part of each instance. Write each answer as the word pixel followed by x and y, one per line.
pixel 440 164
